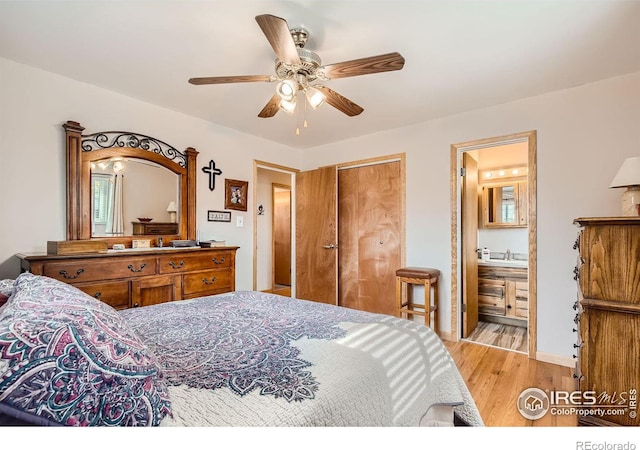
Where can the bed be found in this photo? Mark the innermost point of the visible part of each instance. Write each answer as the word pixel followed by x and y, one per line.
pixel 242 358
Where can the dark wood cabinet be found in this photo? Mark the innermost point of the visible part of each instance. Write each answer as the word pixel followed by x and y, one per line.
pixel 140 278
pixel 608 314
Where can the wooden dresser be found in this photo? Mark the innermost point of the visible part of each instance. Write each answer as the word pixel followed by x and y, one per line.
pixel 129 278
pixel 608 306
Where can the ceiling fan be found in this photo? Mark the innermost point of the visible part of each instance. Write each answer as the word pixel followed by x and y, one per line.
pixel 296 68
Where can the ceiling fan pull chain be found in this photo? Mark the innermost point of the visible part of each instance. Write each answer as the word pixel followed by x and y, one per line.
pixel 297 119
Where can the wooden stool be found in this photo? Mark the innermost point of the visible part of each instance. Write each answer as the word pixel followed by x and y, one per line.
pixel 404 304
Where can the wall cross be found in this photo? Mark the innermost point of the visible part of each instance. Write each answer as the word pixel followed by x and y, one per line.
pixel 212 171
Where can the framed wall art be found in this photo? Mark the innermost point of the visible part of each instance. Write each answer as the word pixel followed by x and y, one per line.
pixel 219 216
pixel 235 194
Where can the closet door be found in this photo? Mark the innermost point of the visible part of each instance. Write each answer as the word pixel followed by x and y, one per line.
pixel 369 208
pixel 316 240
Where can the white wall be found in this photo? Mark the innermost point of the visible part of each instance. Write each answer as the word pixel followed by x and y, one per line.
pixel 501 239
pixel 33 106
pixel 584 134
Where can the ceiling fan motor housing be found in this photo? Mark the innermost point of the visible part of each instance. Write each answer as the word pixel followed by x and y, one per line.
pixel 309 61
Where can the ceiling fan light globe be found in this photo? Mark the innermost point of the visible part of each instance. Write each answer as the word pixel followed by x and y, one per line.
pixel 315 97
pixel 286 90
pixel 288 106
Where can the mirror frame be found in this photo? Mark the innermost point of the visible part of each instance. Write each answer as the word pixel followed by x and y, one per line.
pixel 484 208
pixel 82 150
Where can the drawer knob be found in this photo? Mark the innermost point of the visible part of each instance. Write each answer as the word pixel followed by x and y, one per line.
pixel 135 305
pixel 97 295
pixel 176 266
pixel 66 276
pixel 215 260
pixel 206 281
pixel 130 267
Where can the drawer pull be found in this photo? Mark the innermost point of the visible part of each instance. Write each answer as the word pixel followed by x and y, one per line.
pixel 205 281
pixel 215 260
pixel 135 305
pixel 70 277
pixel 97 295
pixel 176 266
pixel 130 267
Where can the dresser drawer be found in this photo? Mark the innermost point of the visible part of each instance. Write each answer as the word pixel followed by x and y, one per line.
pixel 491 297
pixel 78 271
pixel 114 294
pixel 207 282
pixel 190 262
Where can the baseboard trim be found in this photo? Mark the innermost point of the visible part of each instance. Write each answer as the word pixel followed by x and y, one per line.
pixel 555 359
pixel 446 336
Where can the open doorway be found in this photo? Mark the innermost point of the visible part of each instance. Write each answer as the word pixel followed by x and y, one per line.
pixel 493 209
pixel 273 238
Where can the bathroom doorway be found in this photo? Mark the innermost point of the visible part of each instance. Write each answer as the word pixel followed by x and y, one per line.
pixel 493 208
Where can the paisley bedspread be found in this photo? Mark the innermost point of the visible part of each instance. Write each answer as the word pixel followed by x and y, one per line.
pixel 255 359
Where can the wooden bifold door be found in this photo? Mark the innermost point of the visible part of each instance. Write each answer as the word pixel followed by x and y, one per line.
pixel 348 235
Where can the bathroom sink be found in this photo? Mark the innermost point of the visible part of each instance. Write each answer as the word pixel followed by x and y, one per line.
pixel 504 263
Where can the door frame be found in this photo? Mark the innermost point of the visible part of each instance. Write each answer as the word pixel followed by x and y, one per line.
pixel 456 149
pixel 292 172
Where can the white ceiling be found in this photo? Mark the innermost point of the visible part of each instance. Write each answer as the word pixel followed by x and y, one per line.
pixel 459 55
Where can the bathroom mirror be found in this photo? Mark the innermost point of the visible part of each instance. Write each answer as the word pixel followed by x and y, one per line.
pixel 504 205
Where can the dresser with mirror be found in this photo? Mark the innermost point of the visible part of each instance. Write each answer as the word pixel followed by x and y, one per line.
pixel 115 179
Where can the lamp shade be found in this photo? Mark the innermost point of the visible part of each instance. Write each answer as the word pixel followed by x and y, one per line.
pixel 628 174
pixel 172 207
pixel 315 97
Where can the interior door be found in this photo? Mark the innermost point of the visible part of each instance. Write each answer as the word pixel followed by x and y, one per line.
pixel 369 235
pixel 281 234
pixel 469 229
pixel 316 238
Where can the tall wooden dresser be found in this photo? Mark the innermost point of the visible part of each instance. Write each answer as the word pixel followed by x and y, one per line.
pixel 128 279
pixel 608 308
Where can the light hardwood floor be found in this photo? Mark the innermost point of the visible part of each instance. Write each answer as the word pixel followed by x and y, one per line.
pixel 496 378
pixel 500 335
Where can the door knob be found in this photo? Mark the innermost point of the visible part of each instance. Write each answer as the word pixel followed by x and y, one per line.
pixel 330 246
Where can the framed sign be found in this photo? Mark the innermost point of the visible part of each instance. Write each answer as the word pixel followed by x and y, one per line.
pixel 219 216
pixel 235 194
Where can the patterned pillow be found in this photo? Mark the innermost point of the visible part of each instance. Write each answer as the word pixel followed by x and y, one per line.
pixel 68 358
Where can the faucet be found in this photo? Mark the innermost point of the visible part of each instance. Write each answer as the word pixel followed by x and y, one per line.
pixel 160 242
pixel 507 255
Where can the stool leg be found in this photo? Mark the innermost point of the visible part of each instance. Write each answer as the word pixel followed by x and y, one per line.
pixel 427 303
pixel 398 297
pixel 436 313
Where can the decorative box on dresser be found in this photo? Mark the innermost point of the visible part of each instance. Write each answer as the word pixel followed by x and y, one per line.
pixel 608 306
pixel 130 278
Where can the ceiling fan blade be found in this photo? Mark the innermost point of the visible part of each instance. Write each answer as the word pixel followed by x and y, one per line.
pixel 271 108
pixel 364 66
pixel 277 32
pixel 232 79
pixel 339 102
